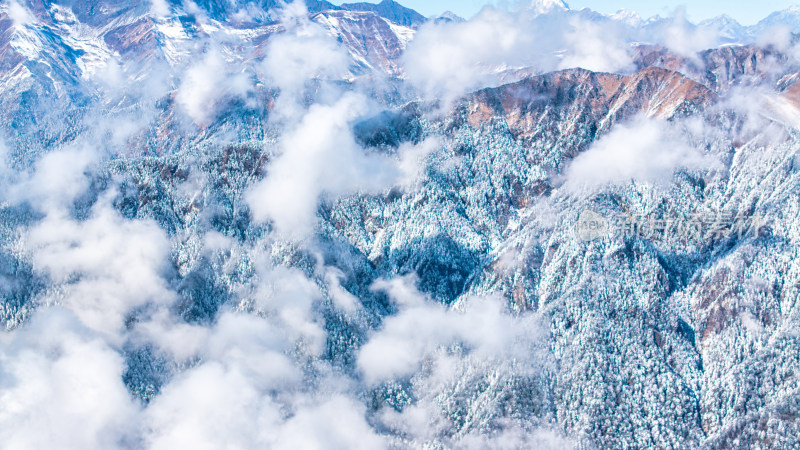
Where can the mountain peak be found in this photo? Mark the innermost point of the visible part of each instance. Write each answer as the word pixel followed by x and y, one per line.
pixel 389 9
pixel 628 16
pixel 546 6
pixel 449 17
pixel 723 19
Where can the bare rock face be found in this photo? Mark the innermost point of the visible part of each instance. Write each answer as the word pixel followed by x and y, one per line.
pixel 722 68
pixel 376 43
pixel 390 10
pixel 578 99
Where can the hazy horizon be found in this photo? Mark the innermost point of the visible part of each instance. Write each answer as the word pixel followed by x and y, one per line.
pixel 746 13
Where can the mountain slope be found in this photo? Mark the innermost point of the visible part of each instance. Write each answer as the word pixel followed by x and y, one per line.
pixel 391 10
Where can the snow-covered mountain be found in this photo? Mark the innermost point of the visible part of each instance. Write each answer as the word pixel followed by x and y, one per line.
pixel 787 18
pixel 389 9
pixel 136 32
pixel 231 224
pixel 548 6
pixel 728 28
pixel 449 17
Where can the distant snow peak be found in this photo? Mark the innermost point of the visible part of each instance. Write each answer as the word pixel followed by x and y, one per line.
pixel 548 6
pixel 628 17
pixel 727 27
pixel 449 17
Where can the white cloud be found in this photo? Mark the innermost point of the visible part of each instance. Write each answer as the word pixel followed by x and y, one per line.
pixel 317 154
pixel 294 59
pixel 443 354
pixel 320 156
pixel 596 47
pixel 686 39
pixel 61 387
pixel 210 407
pixel 514 437
pixel 248 393
pixel 6 173
pixel 766 117
pixel 303 53
pixel 179 340
pixel 446 60
pixel 207 82
pixel 106 264
pixel 19 14
pixel 646 151
pixel 58 178
pixel 159 8
pixel 256 347
pixel 336 423
pixel 288 298
pixel 779 36
pixel 781 39
pixel 423 327
pixel 341 298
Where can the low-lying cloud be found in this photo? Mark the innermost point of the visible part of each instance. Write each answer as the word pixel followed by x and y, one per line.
pixel 448 59
pixel 643 151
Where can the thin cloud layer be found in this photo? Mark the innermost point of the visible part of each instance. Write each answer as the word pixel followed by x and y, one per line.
pixel 318 153
pixel 644 151
pixel 422 328
pixel 448 59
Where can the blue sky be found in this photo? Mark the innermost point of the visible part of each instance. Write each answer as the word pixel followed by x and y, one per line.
pixel 747 12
